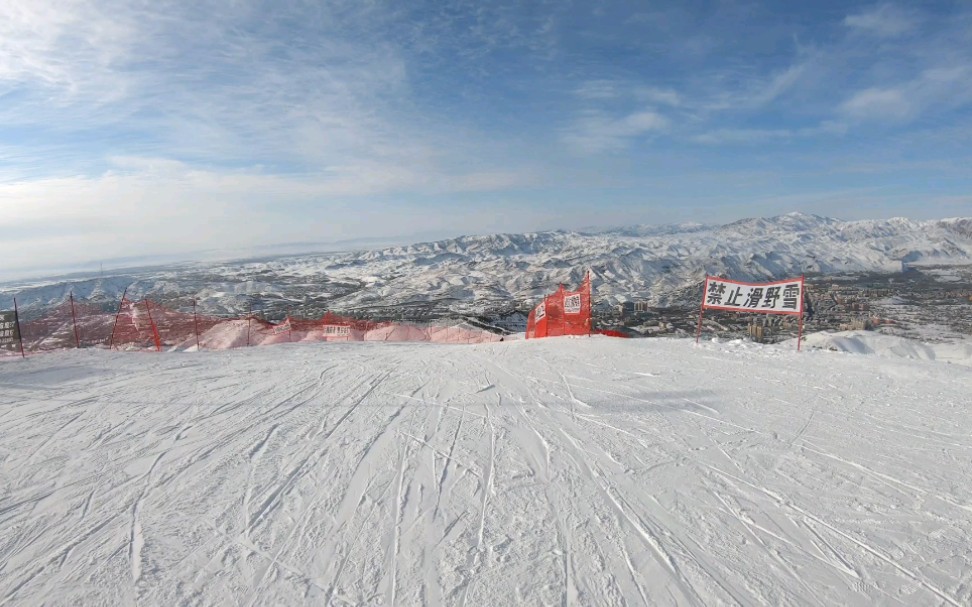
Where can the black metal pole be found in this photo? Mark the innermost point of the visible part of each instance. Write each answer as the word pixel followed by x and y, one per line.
pixel 111 340
pixel 20 333
pixel 74 317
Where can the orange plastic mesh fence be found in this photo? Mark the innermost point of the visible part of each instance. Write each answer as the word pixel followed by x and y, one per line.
pixel 148 325
pixel 66 325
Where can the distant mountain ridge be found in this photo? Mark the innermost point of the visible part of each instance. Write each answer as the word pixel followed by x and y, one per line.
pixel 653 263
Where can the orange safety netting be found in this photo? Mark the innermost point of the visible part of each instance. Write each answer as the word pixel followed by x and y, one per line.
pixel 563 313
pixel 148 325
pixel 71 324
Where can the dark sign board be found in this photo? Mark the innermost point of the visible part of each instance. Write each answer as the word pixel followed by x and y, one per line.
pixel 9 329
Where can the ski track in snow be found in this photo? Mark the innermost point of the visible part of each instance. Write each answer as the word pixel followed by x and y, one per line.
pixel 561 471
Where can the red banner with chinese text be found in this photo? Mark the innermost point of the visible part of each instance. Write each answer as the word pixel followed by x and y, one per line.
pixel 562 313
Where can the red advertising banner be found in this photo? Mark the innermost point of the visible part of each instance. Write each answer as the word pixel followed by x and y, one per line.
pixel 537 321
pixel 562 313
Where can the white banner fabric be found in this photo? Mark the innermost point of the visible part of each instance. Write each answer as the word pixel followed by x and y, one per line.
pixel 341 330
pixel 779 297
pixel 572 304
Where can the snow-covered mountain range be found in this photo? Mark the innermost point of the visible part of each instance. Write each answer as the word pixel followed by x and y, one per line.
pixel 470 273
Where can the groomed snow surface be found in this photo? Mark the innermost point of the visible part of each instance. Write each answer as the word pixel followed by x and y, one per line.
pixel 589 471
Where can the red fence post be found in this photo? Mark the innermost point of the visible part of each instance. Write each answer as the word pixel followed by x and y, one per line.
pixel 74 317
pixel 111 340
pixel 195 322
pixel 155 330
pixel 590 304
pixel 802 303
pixel 249 316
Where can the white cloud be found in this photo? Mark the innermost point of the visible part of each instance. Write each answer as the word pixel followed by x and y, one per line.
pixel 213 84
pixel 885 20
pixel 728 136
pixel 599 90
pixel 626 91
pixel 935 89
pixel 742 90
pixel 596 131
pixel 217 111
pixel 765 90
pixel 777 85
pixel 150 206
pixel 659 96
pixel 737 136
pixel 68 48
pixel 878 104
pixel 614 113
pixel 641 122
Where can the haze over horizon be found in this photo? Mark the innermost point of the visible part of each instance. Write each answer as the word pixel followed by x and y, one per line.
pixel 132 129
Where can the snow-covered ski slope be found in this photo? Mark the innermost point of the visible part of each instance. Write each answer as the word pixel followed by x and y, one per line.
pixel 587 471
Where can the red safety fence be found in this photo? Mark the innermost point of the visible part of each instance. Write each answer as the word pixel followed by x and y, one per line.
pixel 71 324
pixel 148 325
pixel 563 313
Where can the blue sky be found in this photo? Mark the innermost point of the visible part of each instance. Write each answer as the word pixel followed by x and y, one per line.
pixel 149 127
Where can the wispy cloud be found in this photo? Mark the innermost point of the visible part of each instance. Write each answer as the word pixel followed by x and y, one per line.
pixel 174 65
pixel 152 206
pixel 878 104
pixel 936 88
pixel 600 90
pixel 755 136
pixel 69 49
pixel 885 20
pixel 613 114
pixel 254 112
pixel 758 92
pixel 596 132
pixel 312 89
pixel 658 96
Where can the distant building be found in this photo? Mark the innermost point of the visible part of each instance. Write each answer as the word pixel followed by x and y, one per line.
pixel 514 323
pixel 859 324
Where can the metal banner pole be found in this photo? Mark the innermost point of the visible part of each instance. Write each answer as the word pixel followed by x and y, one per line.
pixel 590 305
pixel 800 330
pixel 111 340
pixel 20 333
pixel 800 333
pixel 74 317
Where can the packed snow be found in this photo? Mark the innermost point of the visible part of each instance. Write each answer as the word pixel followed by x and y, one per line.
pixel 957 352
pixel 588 471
